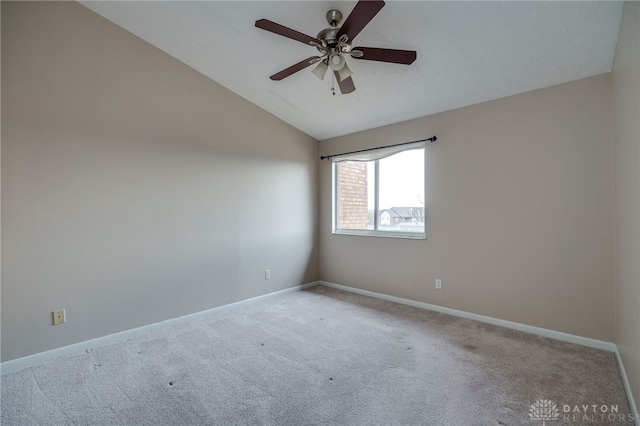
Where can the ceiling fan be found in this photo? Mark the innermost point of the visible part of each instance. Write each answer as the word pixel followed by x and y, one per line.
pixel 334 43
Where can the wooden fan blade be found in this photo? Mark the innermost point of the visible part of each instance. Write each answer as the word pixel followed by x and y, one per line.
pixel 386 55
pixel 346 85
pixel 295 68
pixel 360 16
pixel 271 26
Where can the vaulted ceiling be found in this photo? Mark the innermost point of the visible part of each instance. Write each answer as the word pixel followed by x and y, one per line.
pixel 467 52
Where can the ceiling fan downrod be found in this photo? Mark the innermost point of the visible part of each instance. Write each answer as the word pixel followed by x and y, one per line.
pixel 334 17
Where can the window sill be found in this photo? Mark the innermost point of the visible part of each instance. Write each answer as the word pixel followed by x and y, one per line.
pixel 383 234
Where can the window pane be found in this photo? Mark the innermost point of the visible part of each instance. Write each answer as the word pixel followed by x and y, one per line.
pixel 402 192
pixel 354 195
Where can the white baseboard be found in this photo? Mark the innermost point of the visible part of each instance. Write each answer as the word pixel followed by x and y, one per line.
pixel 627 388
pixel 557 335
pixel 28 361
pixel 565 337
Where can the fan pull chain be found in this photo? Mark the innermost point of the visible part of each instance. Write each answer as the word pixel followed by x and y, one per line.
pixel 333 84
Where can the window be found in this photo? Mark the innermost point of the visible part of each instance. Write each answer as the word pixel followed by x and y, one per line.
pixel 380 192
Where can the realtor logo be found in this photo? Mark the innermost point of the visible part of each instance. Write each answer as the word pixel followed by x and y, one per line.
pixel 544 409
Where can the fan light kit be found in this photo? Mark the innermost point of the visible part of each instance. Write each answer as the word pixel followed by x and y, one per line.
pixel 333 43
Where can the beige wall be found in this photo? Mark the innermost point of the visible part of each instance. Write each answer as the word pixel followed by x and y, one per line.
pixel 626 107
pixel 134 189
pixel 519 212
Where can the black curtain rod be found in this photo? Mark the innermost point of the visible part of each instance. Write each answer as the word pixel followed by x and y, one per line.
pixel 431 139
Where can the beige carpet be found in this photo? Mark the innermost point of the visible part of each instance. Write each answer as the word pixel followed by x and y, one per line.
pixel 323 357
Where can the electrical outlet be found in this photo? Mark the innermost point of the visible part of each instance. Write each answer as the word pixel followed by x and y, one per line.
pixel 59 317
pixel 438 284
pixel 267 274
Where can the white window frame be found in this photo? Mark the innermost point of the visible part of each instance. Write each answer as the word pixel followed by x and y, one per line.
pixel 375 155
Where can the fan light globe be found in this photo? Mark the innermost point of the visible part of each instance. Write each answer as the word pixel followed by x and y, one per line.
pixel 345 72
pixel 320 70
pixel 336 62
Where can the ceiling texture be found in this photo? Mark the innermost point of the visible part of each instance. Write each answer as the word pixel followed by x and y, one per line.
pixel 467 52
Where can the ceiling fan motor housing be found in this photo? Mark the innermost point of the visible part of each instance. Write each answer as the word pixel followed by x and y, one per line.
pixel 329 36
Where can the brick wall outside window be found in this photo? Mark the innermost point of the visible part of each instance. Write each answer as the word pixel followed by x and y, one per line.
pixel 353 211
